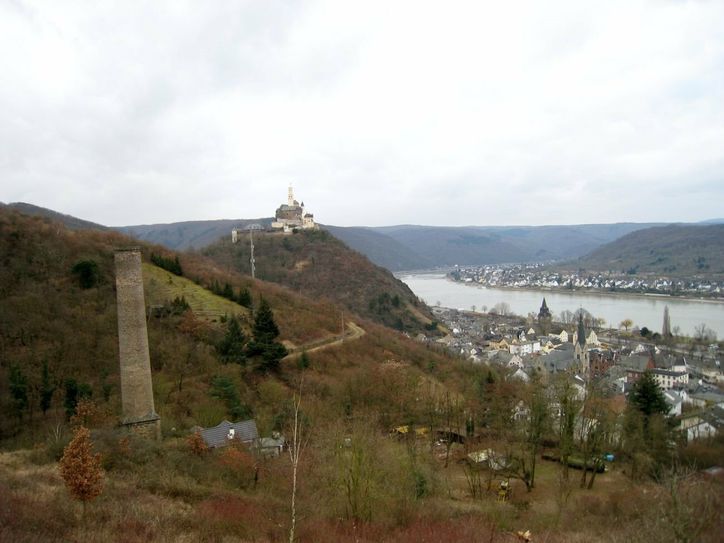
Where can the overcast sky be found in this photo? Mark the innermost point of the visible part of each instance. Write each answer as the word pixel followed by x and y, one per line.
pixel 444 113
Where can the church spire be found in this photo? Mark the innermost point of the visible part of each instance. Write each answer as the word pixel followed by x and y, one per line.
pixel 544 312
pixel 581 331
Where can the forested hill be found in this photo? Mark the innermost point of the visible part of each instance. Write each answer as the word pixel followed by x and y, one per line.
pixel 410 247
pixel 381 248
pixel 58 325
pixel 318 265
pixel 189 234
pixel 673 250
pixel 74 223
pixel 476 245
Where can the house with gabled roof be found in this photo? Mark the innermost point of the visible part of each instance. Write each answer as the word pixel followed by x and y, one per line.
pixel 227 432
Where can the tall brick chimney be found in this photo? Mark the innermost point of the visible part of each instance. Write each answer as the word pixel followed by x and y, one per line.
pixel 139 413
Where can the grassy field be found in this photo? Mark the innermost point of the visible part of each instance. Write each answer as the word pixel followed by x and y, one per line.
pixel 162 286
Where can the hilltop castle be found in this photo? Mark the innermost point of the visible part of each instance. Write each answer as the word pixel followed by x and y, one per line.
pixel 292 215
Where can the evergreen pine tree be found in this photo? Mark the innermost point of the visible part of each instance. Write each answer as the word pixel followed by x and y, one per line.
pixel 244 297
pixel 647 397
pixel 231 348
pixel 47 388
pixel 264 344
pixel 223 387
pixel 303 362
pixel 75 391
pixel 265 329
pixel 87 273
pixel 18 390
pixel 227 292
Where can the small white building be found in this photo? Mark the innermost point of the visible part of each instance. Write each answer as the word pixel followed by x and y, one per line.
pixel 524 347
pixel 676 399
pixel 667 379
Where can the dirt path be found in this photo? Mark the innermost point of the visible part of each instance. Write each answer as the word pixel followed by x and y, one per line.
pixel 353 332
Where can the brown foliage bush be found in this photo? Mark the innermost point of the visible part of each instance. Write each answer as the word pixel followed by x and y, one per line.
pixel 80 468
pixel 238 465
pixel 196 444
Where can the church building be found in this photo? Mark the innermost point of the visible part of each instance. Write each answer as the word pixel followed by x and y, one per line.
pixel 580 346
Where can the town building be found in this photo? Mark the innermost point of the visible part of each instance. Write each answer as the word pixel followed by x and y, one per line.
pixel 545 318
pixel 667 379
pixel 580 352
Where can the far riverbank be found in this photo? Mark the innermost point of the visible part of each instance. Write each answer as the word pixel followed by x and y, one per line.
pixel 613 307
pixel 646 295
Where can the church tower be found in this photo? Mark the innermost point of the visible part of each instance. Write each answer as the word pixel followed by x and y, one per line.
pixel 290 196
pixel 545 318
pixel 580 348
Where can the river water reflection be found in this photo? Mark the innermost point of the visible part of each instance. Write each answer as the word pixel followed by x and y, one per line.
pixel 643 310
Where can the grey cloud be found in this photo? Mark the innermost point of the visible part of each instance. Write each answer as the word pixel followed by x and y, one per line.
pixel 378 113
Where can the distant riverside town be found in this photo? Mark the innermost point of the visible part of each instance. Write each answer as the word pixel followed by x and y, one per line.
pixel 538 348
pixel 539 277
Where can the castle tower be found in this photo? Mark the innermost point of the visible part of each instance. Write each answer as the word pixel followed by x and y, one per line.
pixel 139 413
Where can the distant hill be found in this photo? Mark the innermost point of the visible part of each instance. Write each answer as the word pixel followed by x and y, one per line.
pixel 320 266
pixel 675 250
pixel 190 234
pixel 410 247
pixel 381 249
pixel 74 223
pixel 474 245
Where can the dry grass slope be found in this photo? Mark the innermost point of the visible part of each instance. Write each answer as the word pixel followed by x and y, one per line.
pixel 162 286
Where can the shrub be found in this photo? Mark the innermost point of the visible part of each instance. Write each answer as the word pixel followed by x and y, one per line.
pixel 81 469
pixel 196 444
pixel 87 273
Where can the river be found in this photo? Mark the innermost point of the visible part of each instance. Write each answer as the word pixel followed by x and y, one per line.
pixel 642 310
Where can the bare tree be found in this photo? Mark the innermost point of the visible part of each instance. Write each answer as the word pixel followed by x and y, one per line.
pixel 703 333
pixel 295 452
pixel 566 316
pixel 502 308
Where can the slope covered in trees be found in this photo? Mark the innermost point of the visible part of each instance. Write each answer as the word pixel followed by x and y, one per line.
pixel 411 247
pixel 674 250
pixel 58 326
pixel 180 236
pixel 74 223
pixel 385 423
pixel 322 267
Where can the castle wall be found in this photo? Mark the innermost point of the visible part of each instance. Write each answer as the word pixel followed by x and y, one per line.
pixel 136 387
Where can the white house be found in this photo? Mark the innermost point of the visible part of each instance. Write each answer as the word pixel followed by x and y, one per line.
pixel 524 347
pixel 667 379
pixel 675 399
pixel 515 361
